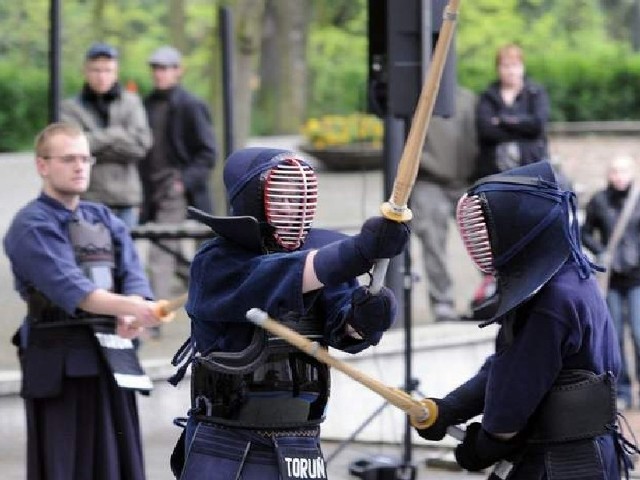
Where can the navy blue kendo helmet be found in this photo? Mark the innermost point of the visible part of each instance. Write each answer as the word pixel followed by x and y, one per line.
pixel 520 226
pixel 277 188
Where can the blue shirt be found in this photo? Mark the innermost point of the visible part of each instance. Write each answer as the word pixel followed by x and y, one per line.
pixel 42 257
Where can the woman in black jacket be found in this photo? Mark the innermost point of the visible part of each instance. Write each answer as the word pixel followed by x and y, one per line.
pixel 623 295
pixel 511 117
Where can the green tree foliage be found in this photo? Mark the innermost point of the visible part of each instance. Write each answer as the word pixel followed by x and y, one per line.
pixel 136 28
pixel 337 57
pixel 580 49
pixel 546 30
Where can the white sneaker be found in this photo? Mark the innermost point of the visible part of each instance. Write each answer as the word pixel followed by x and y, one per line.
pixel 444 312
pixel 622 403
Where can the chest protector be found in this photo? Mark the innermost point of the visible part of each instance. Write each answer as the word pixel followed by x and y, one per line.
pixel 95 255
pixel 268 385
pixel 94 251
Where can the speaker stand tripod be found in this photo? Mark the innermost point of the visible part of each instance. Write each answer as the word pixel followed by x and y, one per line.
pixel 405 470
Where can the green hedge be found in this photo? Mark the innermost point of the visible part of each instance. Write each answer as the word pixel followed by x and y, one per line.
pixel 23 106
pixel 581 88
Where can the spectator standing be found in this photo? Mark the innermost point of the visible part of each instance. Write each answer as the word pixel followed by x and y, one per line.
pixel 446 169
pixel 115 123
pixel 176 171
pixel 603 211
pixel 512 116
pixel 75 266
pixel 511 119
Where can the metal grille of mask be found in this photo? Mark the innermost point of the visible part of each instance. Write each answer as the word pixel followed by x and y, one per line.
pixel 473 229
pixel 290 199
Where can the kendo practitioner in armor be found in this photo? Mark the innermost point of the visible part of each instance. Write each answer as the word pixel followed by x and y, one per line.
pixel 257 402
pixel 547 395
pixel 75 265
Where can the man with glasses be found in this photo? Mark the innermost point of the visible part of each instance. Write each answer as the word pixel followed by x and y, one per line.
pixel 116 126
pixel 76 267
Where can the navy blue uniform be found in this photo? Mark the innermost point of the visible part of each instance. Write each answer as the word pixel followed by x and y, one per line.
pixel 80 423
pixel 547 395
pixel 226 281
pixel 566 325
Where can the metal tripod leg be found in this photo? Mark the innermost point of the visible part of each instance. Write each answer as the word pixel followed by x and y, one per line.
pixel 413 387
pixel 351 437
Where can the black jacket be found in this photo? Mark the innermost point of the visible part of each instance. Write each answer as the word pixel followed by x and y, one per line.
pixel 523 122
pixel 602 213
pixel 191 140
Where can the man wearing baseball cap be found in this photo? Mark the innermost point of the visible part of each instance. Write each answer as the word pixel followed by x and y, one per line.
pixel 115 124
pixel 175 173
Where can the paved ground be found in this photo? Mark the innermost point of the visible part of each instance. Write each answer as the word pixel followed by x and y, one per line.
pixel 346 199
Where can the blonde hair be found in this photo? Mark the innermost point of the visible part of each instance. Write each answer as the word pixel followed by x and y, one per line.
pixel 43 139
pixel 511 50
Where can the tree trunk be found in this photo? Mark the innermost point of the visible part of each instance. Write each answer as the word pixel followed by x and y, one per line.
pixel 635 26
pixel 176 25
pixel 97 19
pixel 283 73
pixel 247 18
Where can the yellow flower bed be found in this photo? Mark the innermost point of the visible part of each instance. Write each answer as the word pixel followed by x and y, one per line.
pixel 335 130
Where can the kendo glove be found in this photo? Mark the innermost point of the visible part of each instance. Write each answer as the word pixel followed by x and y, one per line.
pixel 346 259
pixel 371 314
pixel 480 449
pixel 445 418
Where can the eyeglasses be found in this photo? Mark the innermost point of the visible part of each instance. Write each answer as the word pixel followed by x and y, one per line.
pixel 73 159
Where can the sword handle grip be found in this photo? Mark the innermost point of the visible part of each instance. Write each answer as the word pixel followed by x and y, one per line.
pixel 377 275
pixel 456 432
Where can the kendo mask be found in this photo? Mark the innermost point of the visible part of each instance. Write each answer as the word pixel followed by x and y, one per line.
pixel 278 189
pixel 521 227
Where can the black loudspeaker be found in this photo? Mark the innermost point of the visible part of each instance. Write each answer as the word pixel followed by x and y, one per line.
pixel 402 34
pixel 445 101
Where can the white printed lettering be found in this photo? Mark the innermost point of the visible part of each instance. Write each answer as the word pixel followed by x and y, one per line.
pixel 320 468
pixel 305 467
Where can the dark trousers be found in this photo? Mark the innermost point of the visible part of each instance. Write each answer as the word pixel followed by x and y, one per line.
pixel 90 431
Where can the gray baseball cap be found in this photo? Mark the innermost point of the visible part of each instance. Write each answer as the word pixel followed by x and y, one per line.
pixel 166 56
pixel 100 49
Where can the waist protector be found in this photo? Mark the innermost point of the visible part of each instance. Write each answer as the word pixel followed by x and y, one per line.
pixel 580 405
pixel 268 385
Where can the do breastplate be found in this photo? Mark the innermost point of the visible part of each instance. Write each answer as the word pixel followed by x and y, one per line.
pixel 94 251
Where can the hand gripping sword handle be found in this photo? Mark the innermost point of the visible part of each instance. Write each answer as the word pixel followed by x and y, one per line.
pixel 377 275
pixel 166 307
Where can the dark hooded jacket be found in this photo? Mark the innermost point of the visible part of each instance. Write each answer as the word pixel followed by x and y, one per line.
pixel 523 123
